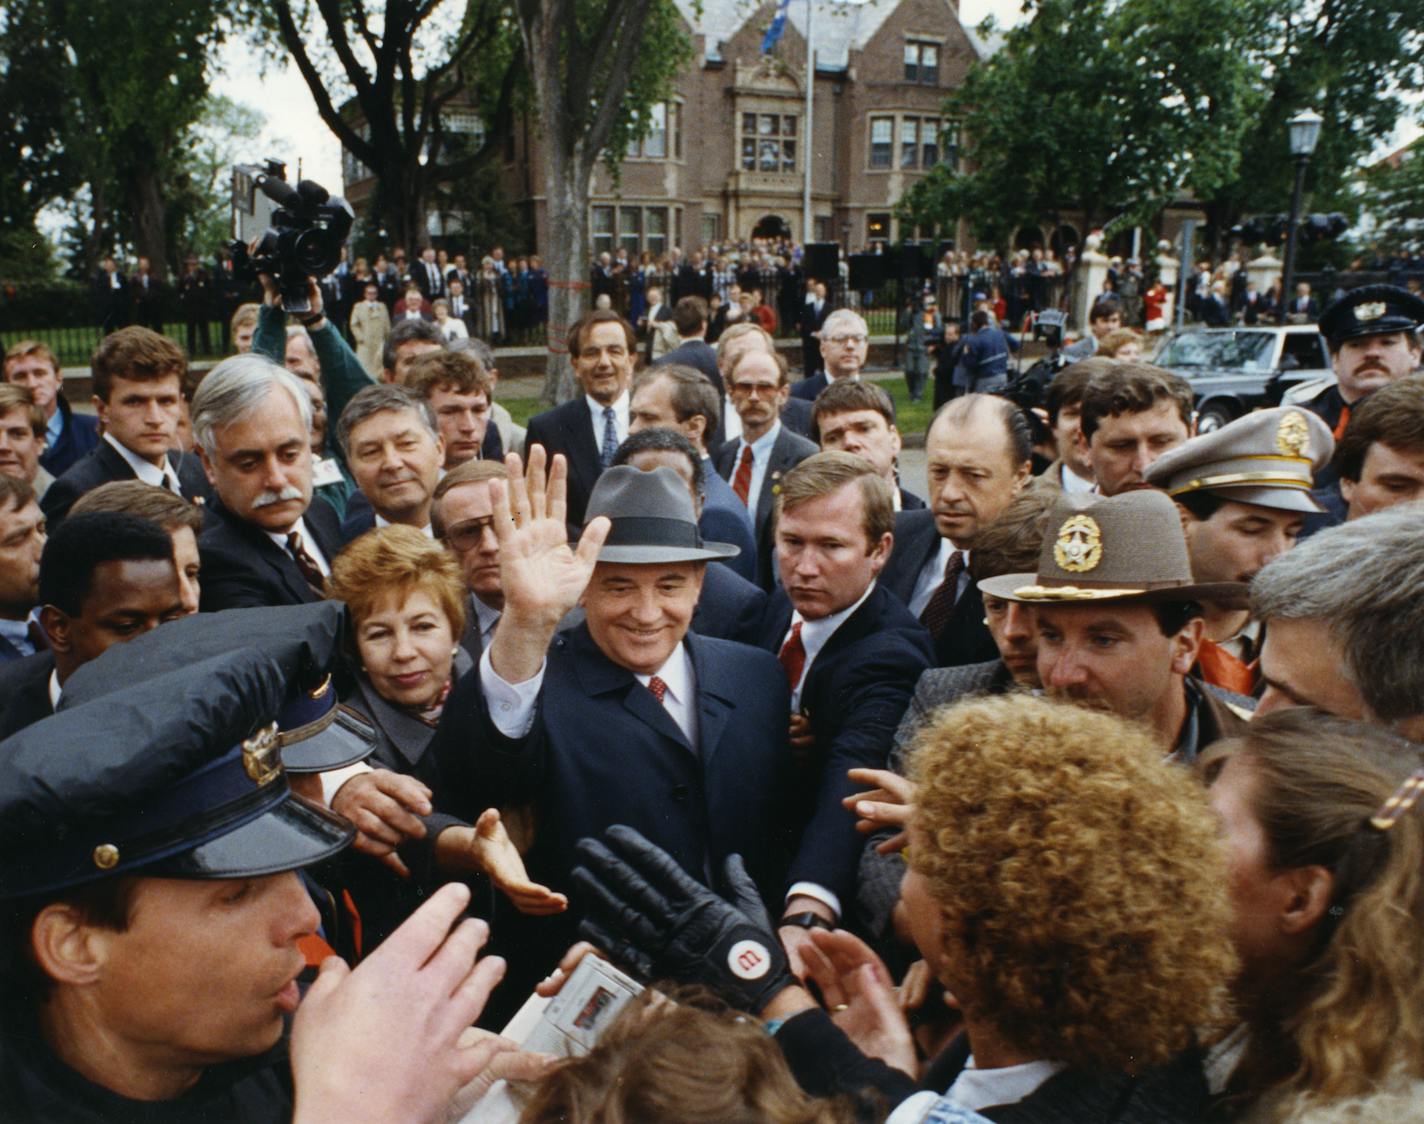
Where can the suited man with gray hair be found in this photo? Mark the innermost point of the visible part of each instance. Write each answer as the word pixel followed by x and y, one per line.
pixel 845 344
pixel 268 542
pixel 1344 622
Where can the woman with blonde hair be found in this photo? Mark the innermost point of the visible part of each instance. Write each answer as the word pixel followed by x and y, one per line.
pixel 407 602
pixel 1326 837
pixel 1064 882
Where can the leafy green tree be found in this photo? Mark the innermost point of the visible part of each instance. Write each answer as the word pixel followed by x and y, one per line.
pixel 1394 198
pixel 383 77
pixel 1105 107
pixel 597 66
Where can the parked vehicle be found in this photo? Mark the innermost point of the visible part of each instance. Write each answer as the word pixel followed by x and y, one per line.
pixel 1236 370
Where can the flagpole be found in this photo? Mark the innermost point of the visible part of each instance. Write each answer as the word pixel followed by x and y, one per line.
pixel 808 133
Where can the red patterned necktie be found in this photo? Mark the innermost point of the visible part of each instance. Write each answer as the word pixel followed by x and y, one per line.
pixel 306 563
pixel 742 482
pixel 940 606
pixel 793 656
pixel 659 689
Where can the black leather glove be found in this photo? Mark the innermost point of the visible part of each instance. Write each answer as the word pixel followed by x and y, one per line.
pixel 647 912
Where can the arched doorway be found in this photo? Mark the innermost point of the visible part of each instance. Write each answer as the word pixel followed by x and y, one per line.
pixel 1028 237
pixel 1066 235
pixel 771 226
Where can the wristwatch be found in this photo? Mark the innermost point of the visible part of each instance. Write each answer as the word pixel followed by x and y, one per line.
pixel 309 320
pixel 808 920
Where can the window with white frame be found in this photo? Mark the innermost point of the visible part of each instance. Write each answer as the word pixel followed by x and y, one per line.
pixel 922 62
pixel 911 142
pixel 768 142
pixel 664 135
pixel 882 139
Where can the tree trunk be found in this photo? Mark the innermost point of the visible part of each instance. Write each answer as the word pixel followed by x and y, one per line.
pixel 149 217
pixel 566 185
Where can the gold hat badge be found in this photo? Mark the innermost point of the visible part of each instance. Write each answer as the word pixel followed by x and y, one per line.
pixel 1079 547
pixel 1292 435
pixel 261 757
pixel 1372 311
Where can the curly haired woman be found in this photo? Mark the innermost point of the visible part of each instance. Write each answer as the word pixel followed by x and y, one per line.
pixel 1326 845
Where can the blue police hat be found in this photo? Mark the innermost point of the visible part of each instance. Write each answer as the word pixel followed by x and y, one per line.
pixel 179 776
pixel 1372 310
pixel 306 641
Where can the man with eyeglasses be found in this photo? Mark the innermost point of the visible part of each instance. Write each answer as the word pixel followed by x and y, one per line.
pixel 845 342
pixel 755 463
pixel 462 517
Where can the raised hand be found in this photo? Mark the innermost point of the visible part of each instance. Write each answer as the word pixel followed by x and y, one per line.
pixel 891 803
pixel 860 993
pixel 541 576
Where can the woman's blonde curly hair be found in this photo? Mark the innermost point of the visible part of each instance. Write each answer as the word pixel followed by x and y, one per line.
pixel 1079 879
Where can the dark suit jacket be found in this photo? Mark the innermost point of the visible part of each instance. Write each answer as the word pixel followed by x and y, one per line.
pixel 24 692
pixel 877 887
pixel 77 439
pixel 242 567
pixel 910 502
pixel 603 751
pixel 730 607
pixel 965 638
pixel 810 387
pixel 360 517
pixel 726 519
pixel 854 694
pixel 787 452
pixel 103 464
pixel 568 429
pixel 796 416
pixel 700 356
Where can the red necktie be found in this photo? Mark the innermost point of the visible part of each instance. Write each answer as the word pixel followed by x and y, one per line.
pixel 793 656
pixel 658 687
pixel 940 606
pixel 1344 421
pixel 311 572
pixel 742 482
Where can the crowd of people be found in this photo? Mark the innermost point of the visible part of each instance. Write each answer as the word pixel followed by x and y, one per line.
pixel 1077 781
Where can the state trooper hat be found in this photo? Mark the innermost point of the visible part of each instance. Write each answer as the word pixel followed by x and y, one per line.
pixel 175 777
pixel 314 732
pixel 1372 310
pixel 652 517
pixel 1268 458
pixel 1128 547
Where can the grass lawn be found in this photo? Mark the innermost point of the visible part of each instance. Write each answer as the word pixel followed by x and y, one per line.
pixel 75 346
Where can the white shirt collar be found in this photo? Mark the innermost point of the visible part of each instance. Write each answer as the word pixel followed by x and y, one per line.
pixel 309 544
pixel 676 672
pixel 761 447
pixel 54 690
pixel 1073 483
pixel 977 1088
pixel 146 471
pixel 620 407
pixel 382 521
pixel 486 616
pixel 814 634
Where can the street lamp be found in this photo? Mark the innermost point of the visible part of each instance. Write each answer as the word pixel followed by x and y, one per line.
pixel 1304 131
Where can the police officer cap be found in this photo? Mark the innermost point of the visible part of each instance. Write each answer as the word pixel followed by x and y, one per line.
pixel 305 640
pixel 1372 310
pixel 176 777
pixel 1268 458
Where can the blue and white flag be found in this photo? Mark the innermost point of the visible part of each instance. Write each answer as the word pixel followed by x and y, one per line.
pixel 778 25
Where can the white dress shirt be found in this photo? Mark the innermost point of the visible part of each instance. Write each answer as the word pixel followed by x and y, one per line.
pixel 761 456
pixel 146 470
pixel 308 544
pixel 1074 484
pixel 511 705
pixel 976 1088
pixel 486 616
pixel 814 635
pixel 620 419
pixel 932 574
pixel 382 521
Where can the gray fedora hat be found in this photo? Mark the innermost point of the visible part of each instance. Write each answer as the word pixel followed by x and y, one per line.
pixel 1128 547
pixel 652 518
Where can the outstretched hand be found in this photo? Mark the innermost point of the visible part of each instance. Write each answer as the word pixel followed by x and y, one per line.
pixel 891 803
pixel 384 1041
pixel 860 993
pixel 505 866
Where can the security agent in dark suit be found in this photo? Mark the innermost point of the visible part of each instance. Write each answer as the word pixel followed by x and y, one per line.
pixel 690 317
pixel 31 364
pixel 628 718
pixel 745 335
pixel 268 541
pixel 814 311
pixel 845 345
pixel 729 607
pixel 851 654
pixel 680 399
pixel 587 430
pixel 138 396
pixel 104 578
pixel 978 458
pixel 766 450
pixel 853 416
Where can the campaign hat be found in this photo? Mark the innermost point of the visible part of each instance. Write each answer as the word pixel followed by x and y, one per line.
pixel 652 518
pixel 1268 458
pixel 179 776
pixel 1128 547
pixel 1372 310
pixel 307 641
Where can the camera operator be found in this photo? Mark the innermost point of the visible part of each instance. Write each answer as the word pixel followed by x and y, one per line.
pixel 342 374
